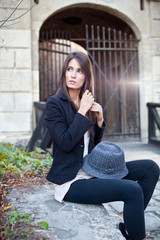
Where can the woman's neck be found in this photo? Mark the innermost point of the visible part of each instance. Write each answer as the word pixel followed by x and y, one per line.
pixel 74 95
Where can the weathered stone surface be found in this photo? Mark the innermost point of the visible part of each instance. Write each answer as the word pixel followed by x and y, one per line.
pixel 15 80
pixel 15 122
pixel 13 3
pixel 23 58
pixel 155 26
pixel 6 102
pixel 155 9
pixel 76 221
pixel 16 38
pixel 6 58
pixel 23 102
pixel 156 60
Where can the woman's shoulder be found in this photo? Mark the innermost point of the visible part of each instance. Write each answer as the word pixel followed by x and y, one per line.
pixel 58 97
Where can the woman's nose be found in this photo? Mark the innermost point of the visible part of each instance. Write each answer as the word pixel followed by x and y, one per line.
pixel 73 74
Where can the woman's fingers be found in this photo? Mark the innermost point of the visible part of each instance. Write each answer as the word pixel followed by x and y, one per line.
pixel 96 107
pixel 87 100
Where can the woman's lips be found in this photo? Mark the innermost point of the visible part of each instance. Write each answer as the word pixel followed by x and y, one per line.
pixel 72 81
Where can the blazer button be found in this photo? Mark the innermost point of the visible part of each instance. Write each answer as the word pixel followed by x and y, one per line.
pixel 81 145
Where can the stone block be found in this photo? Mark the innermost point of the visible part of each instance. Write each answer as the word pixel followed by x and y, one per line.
pixel 23 58
pixel 19 19
pixel 35 50
pixel 155 26
pixel 6 102
pixel 35 81
pixel 155 10
pixel 23 102
pixel 15 122
pixel 16 38
pixel 155 46
pixel 156 64
pixel 15 80
pixel 6 58
pixel 13 3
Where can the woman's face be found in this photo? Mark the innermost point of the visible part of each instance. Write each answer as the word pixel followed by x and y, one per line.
pixel 74 75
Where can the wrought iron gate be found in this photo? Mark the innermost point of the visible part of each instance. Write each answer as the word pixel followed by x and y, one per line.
pixel 115 67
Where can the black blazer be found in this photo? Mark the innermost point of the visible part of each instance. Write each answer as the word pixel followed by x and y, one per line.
pixel 67 128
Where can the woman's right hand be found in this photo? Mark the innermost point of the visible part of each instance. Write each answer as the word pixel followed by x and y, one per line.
pixel 86 102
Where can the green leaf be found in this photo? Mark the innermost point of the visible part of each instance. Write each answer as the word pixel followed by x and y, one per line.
pixel 26 217
pixel 13 217
pixel 22 235
pixel 43 225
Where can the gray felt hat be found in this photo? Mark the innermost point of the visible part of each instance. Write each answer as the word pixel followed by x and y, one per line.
pixel 106 161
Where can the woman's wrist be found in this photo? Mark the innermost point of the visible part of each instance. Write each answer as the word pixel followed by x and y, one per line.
pixel 82 111
pixel 100 122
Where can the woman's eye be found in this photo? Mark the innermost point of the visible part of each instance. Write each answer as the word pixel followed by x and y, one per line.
pixel 69 69
pixel 80 71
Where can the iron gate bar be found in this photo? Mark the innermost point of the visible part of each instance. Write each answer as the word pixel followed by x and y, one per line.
pixel 49 50
pixel 47 67
pixel 51 34
pixel 116 77
pixel 105 68
pixel 111 49
pixel 126 62
pixel 110 75
pixel 89 40
pixel 99 63
pixel 93 53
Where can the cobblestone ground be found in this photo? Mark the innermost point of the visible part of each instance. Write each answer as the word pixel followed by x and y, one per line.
pixel 77 221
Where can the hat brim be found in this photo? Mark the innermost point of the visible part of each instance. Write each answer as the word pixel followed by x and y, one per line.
pixel 93 172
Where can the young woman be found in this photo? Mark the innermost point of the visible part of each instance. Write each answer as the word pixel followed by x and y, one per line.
pixel 75 122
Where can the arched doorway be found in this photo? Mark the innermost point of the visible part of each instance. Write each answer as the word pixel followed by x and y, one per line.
pixel 113 49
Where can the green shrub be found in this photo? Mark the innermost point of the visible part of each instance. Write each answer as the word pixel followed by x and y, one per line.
pixel 19 161
pixel 20 226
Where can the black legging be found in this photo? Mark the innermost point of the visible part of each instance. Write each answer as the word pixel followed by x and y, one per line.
pixel 135 190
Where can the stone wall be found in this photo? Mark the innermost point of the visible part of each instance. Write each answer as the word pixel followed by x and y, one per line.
pixel 15 71
pixel 19 56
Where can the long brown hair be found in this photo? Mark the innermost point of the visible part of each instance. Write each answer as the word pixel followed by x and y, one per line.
pixel 86 66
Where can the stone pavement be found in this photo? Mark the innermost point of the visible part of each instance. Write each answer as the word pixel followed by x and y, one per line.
pixel 68 221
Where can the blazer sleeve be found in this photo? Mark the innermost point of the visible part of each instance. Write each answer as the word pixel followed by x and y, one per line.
pixel 65 136
pixel 99 132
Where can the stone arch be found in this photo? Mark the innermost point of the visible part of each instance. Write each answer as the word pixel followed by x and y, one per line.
pixel 97 7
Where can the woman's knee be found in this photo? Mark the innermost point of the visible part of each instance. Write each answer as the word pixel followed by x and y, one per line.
pixel 153 169
pixel 134 191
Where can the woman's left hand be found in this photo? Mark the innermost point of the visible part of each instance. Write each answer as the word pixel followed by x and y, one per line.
pixel 97 109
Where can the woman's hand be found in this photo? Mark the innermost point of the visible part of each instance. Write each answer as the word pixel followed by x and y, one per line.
pixel 86 102
pixel 97 109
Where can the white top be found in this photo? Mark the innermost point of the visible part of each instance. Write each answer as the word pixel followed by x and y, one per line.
pixel 61 190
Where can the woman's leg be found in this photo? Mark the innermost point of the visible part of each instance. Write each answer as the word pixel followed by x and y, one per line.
pixel 96 191
pixel 146 173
